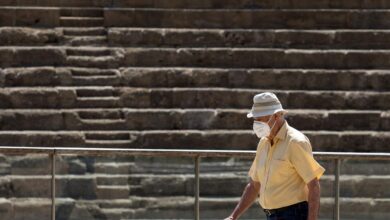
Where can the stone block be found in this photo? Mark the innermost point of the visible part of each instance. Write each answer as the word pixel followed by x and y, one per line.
pixel 39 56
pixel 79 187
pixel 34 208
pixel 7 57
pixel 40 3
pixel 5 188
pixel 248 4
pixel 42 139
pixel 112 192
pixel 38 187
pixel 7 17
pixel 30 165
pixel 44 76
pixel 378 80
pixel 42 98
pixel 254 58
pixel 8 3
pixel 6 209
pixel 30 98
pixel 2 78
pixel 354 121
pixel 28 36
pixel 41 17
pixel 33 121
pixel 325 141
pixel 197 140
pixel 265 19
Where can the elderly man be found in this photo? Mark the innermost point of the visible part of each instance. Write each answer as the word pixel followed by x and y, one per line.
pixel 284 173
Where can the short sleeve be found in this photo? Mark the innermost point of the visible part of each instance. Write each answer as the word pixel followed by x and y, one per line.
pixel 253 171
pixel 302 159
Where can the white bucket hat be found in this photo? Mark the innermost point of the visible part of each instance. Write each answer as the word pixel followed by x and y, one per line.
pixel 265 104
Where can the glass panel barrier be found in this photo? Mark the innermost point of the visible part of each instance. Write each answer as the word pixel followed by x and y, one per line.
pixel 125 187
pixel 25 191
pixel 364 189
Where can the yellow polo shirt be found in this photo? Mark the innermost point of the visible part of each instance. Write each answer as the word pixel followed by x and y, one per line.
pixel 284 169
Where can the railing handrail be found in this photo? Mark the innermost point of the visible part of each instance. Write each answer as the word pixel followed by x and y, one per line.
pixel 179 152
pixel 196 154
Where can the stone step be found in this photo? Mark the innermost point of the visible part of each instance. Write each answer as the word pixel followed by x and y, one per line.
pixel 105 114
pixel 114 167
pixel 85 3
pixel 84 31
pixel 200 57
pixel 236 119
pixel 106 136
pixel 112 192
pixel 3 159
pixel 141 166
pixel 174 207
pixel 40 164
pixel 66 97
pixel 247 18
pixel 252 4
pixel 218 166
pixel 220 207
pixel 99 102
pixel 242 98
pixel 211 185
pixel 260 38
pixel 95 80
pixel 76 186
pixel 112 180
pixel 304 79
pixel 344 141
pixel 58 3
pixel 5 169
pixel 95 62
pixel 85 72
pixel 104 124
pixel 28 36
pixel 256 58
pixel 144 166
pixel 81 12
pixel 81 21
pixel 108 143
pixel 90 51
pixel 31 56
pixel 205 4
pixel 97 40
pixel 96 92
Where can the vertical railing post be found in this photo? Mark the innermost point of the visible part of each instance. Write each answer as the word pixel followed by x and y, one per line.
pixel 53 185
pixel 337 189
pixel 196 189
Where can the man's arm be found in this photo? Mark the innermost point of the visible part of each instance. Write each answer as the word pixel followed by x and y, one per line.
pixel 248 197
pixel 314 198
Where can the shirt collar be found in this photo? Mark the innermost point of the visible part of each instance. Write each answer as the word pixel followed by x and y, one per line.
pixel 282 132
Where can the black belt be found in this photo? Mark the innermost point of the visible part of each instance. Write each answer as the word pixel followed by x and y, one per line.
pixel 269 212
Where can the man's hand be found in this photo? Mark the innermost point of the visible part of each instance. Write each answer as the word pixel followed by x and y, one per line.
pixel 248 197
pixel 314 198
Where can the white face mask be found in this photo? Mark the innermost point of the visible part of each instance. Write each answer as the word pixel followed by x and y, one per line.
pixel 261 129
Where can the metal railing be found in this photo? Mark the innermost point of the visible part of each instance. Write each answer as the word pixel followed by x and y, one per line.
pixel 337 157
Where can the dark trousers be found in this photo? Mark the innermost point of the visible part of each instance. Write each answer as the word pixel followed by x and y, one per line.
pixel 297 211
